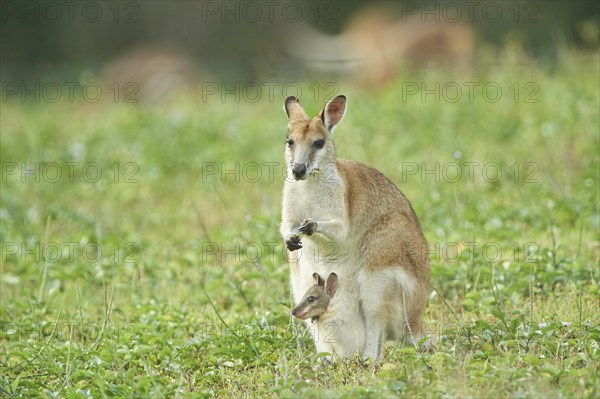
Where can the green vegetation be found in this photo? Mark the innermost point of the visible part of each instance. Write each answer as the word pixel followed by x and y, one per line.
pixel 190 297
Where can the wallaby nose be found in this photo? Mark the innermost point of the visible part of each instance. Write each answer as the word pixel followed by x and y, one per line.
pixel 299 170
pixel 294 311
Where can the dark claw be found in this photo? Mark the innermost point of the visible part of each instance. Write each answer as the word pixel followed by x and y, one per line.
pixel 293 243
pixel 308 227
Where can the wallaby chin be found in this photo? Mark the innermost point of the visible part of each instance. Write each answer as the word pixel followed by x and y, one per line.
pixel 301 316
pixel 353 221
pixel 301 178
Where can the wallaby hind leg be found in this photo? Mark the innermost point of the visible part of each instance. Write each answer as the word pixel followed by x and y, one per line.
pixel 373 339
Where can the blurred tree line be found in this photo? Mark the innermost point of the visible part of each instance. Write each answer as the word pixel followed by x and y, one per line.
pixel 41 38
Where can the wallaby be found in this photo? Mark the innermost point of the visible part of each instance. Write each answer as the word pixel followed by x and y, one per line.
pixel 343 216
pixel 335 314
pixel 316 300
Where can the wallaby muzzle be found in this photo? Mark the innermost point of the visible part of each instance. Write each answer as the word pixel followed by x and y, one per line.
pixel 297 312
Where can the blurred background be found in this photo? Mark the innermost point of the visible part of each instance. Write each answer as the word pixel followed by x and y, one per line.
pixel 141 156
pixel 165 46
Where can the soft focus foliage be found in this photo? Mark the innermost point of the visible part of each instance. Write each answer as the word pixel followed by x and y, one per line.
pixel 190 297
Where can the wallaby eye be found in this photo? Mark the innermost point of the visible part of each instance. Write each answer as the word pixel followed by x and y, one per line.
pixel 290 142
pixel 319 143
pixel 311 299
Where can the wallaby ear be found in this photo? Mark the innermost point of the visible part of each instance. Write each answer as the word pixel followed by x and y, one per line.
pixel 319 279
pixel 331 285
pixel 333 112
pixel 294 110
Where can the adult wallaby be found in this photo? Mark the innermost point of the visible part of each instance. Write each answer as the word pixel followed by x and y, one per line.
pixel 345 217
pixel 337 324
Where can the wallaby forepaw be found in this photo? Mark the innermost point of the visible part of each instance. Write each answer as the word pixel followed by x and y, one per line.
pixel 292 242
pixel 308 227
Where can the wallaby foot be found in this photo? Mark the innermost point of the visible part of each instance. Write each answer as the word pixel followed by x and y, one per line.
pixel 427 346
pixel 372 352
pixel 327 360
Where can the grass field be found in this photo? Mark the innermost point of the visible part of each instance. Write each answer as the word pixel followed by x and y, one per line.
pixel 141 255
